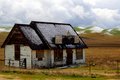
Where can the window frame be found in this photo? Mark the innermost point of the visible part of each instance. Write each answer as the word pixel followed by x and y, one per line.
pixel 79 55
pixel 58 55
pixel 40 55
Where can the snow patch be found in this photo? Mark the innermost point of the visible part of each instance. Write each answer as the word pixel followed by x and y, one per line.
pixel 108 33
pixel 81 32
pixel 96 29
pixel 4 30
pixel 109 30
pixel 81 27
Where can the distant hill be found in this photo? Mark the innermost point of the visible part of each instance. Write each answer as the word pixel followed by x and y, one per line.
pixel 5 29
pixel 97 36
pixel 96 29
pixel 82 30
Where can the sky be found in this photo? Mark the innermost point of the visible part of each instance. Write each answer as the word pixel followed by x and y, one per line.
pixel 102 13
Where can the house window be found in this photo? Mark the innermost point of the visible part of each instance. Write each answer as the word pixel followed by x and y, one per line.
pixel 79 53
pixel 40 54
pixel 58 55
pixel 17 52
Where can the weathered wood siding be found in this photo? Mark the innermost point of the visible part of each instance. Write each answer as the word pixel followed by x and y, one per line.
pixel 10 56
pixel 33 62
pixel 39 63
pixel 9 53
pixel 48 60
pixel 25 53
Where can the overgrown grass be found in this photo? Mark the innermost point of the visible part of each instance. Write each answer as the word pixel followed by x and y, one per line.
pixel 75 73
pixel 44 76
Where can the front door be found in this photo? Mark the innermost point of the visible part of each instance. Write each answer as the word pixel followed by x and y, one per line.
pixel 69 56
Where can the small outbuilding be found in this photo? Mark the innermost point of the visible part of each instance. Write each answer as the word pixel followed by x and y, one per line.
pixel 43 44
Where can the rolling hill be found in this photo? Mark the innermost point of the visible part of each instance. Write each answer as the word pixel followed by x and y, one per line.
pixel 5 29
pixel 96 29
pixel 97 36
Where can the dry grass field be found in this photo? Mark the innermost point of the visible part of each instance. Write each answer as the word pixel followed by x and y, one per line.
pixel 103 51
pixel 98 39
pixel 104 58
pixel 3 36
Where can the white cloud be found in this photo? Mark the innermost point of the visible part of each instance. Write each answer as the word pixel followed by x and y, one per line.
pixel 106 14
pixel 78 12
pixel 110 4
pixel 91 2
pixel 106 17
pixel 43 10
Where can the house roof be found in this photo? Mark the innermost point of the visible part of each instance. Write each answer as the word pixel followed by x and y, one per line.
pixel 40 35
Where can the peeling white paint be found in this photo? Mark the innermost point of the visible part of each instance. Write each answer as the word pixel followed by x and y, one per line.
pixel 32 61
pixel 25 53
pixel 9 54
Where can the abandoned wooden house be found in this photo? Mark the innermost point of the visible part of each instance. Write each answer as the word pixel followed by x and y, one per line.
pixel 43 44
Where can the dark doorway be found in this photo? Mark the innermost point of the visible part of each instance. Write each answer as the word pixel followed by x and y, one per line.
pixel 69 56
pixel 17 52
pixel 23 63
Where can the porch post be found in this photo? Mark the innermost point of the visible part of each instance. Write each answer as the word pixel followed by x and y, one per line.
pixel 83 55
pixel 52 58
pixel 74 56
pixel 64 56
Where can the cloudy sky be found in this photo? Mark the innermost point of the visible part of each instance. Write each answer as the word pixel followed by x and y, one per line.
pixel 103 13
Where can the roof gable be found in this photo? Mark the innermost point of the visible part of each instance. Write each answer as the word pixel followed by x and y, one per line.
pixel 29 34
pixel 9 36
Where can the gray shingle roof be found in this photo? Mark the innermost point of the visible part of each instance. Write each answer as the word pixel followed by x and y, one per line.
pixel 31 35
pixel 40 35
pixel 48 31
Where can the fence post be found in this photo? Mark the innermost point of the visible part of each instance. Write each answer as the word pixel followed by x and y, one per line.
pixel 90 68
pixel 91 63
pixel 117 64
